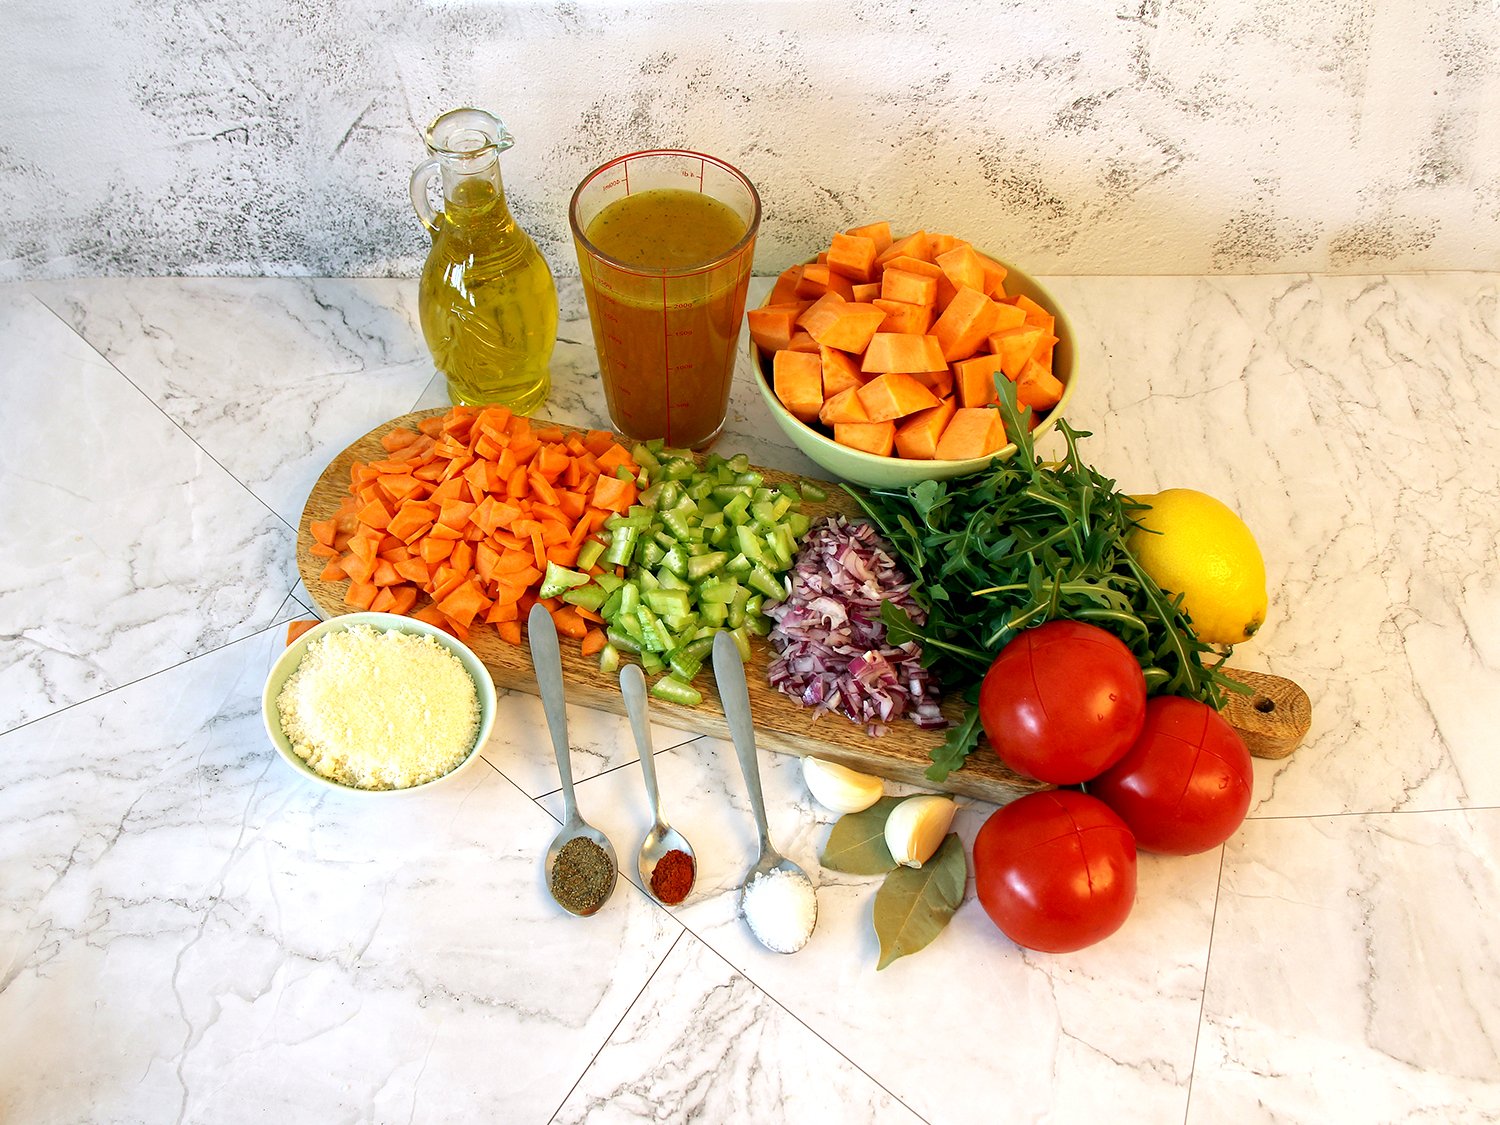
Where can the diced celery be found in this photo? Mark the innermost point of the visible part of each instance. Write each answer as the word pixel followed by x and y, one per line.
pixel 742 642
pixel 589 553
pixel 721 592
pixel 651 663
pixel 675 561
pixel 684 664
pixel 590 597
pixel 675 691
pixel 609 658
pixel 669 581
pixel 650 554
pixel 559 578
pixel 764 581
pixel 715 613
pixel 739 567
pixel 610 582
pixel 701 566
pixel 676 522
pixel 621 546
pixel 630 597
pixel 654 635
pixel 812 492
pixel 622 641
pixel 669 603
pixel 643 457
pixel 798 523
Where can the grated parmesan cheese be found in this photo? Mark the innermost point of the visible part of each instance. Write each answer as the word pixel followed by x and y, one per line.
pixel 379 710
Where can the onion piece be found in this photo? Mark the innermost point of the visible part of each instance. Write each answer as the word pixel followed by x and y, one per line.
pixel 830 641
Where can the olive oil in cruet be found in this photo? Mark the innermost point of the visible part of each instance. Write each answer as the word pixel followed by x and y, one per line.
pixel 487 300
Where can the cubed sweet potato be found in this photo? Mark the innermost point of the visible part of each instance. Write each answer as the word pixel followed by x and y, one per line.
pixel 971 432
pixel 900 351
pixel 797 378
pixel 917 437
pixel 894 395
pixel 878 438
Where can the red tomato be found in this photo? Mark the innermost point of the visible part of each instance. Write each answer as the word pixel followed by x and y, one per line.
pixel 1063 702
pixel 1055 871
pixel 1184 786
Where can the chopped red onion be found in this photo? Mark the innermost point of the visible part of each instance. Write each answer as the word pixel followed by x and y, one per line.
pixel 832 648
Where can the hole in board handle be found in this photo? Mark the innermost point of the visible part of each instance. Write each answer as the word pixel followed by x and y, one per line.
pixel 1264 704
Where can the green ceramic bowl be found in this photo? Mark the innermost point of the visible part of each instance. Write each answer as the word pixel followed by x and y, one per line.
pixel 859 467
pixel 287 663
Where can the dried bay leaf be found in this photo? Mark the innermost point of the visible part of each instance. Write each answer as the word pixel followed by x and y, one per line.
pixel 914 904
pixel 857 843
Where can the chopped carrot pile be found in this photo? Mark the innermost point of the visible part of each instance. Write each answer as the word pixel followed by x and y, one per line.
pixel 464 514
pixel 895 345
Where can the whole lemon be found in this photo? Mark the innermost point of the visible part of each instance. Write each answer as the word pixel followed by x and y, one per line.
pixel 1204 552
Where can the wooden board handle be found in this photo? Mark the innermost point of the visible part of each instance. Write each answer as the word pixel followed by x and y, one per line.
pixel 1273 717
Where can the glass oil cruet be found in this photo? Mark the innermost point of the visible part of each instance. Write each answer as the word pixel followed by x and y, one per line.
pixel 487 300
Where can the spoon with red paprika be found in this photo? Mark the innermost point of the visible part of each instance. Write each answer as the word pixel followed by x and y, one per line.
pixel 667 864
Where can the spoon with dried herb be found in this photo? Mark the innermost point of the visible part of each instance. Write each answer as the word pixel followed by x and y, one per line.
pixel 580 865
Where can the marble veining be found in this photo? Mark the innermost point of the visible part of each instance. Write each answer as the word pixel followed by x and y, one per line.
pixel 190 932
pixel 1134 137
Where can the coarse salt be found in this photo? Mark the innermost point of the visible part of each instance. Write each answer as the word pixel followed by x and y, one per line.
pixel 781 908
pixel 379 709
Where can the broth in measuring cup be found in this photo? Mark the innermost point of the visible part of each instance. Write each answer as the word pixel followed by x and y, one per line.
pixel 665 271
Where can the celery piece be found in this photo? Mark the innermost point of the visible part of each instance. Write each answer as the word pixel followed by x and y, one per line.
pixel 651 664
pixel 759 624
pixel 609 658
pixel 720 592
pixel 812 492
pixel 650 554
pixel 742 642
pixel 701 566
pixel 645 579
pixel 590 597
pixel 643 457
pixel 798 523
pixel 669 603
pixel 739 463
pixel 715 613
pixel 763 580
pixel 589 552
pixel 739 567
pixel 622 642
pixel 684 664
pixel 610 582
pixel 630 626
pixel 621 546
pixel 611 607
pixel 630 598
pixel 559 578
pixel 676 522
pixel 750 545
pixel 669 581
pixel 675 561
pixel 675 691
pixel 655 636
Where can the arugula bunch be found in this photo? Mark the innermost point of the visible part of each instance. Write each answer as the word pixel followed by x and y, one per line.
pixel 1020 543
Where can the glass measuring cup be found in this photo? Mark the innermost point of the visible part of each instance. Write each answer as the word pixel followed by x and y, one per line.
pixel 665 330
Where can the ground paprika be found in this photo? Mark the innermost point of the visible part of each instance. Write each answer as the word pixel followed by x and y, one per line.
pixel 672 878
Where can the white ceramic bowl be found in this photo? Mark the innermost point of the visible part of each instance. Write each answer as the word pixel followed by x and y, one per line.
pixel 287 663
pixel 873 471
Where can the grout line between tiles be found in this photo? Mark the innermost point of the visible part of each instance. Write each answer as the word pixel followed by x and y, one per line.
pixel 628 1009
pixel 1208 958
pixel 157 407
pixel 620 766
pixel 184 662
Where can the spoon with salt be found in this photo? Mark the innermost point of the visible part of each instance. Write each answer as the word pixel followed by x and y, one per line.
pixel 546 660
pixel 795 889
pixel 662 838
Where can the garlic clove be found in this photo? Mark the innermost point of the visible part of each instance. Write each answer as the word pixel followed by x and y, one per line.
pixel 916 827
pixel 839 788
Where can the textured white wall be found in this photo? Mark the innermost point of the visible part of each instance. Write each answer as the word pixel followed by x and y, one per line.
pixel 1139 136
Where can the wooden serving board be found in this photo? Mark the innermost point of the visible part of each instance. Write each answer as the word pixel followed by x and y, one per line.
pixel 901 754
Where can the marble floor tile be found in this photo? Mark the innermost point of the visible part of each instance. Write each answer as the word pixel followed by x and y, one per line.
pixel 127 547
pixel 272 377
pixel 1120 1018
pixel 1355 972
pixel 186 939
pixel 702 1043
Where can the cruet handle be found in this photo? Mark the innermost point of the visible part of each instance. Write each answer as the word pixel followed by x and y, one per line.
pixel 419 181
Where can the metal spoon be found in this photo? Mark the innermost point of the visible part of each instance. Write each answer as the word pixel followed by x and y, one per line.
pixel 729 671
pixel 546 660
pixel 662 838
